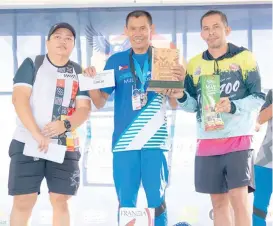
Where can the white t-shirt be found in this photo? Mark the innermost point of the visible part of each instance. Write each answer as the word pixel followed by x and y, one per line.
pixel 54 94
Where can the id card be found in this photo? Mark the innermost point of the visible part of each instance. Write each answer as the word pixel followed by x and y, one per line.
pixel 144 99
pixel 136 100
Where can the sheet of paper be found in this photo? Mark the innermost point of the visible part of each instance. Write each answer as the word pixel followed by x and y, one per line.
pixel 55 152
pixel 101 80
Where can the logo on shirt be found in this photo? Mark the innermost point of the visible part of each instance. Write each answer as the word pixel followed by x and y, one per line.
pixel 67 69
pixel 128 80
pixel 61 70
pixel 197 71
pixel 73 76
pixel 234 67
pixel 121 68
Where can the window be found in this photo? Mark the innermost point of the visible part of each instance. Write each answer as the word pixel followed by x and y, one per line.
pixel 84 51
pixel 262 48
pixel 195 44
pixel 7 64
pixel 179 43
pixel 239 38
pixel 74 55
pixel 27 46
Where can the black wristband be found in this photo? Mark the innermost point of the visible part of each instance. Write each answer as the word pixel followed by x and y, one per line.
pixel 183 99
pixel 232 108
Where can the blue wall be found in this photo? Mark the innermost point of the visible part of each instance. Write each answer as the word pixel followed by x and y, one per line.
pixel 23 32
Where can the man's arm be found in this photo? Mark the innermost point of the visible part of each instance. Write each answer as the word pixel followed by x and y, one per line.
pixel 256 98
pixel 266 111
pixel 188 99
pixel 23 82
pixel 173 103
pixel 79 116
pixel 20 100
pixel 265 115
pixel 99 98
pixel 81 113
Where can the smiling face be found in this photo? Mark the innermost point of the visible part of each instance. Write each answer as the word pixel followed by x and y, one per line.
pixel 61 42
pixel 139 32
pixel 214 31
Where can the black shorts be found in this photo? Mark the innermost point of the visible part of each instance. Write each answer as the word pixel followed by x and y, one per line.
pixel 221 173
pixel 26 174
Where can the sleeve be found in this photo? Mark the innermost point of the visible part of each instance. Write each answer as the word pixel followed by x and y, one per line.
pixel 251 75
pixel 110 64
pixel 268 100
pixel 80 94
pixel 25 74
pixel 189 101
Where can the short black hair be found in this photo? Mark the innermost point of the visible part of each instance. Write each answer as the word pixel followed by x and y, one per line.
pixel 139 13
pixel 215 12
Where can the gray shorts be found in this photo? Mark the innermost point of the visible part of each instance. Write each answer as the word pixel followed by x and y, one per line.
pixel 221 173
pixel 26 174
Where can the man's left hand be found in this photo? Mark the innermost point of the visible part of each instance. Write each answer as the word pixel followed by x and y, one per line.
pixel 179 72
pixel 223 105
pixel 173 93
pixel 257 127
pixel 53 129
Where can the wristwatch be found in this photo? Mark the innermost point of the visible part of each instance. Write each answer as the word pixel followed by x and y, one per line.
pixel 67 125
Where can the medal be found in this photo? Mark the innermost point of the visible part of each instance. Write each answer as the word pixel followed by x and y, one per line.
pixel 139 74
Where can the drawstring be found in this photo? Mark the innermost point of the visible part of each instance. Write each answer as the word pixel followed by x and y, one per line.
pixel 216 67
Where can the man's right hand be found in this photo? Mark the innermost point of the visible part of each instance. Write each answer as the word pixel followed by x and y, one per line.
pixel 174 93
pixel 257 127
pixel 90 71
pixel 42 140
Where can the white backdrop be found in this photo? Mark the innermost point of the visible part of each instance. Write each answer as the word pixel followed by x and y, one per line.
pixel 96 204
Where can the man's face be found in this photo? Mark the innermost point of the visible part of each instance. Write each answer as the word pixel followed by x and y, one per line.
pixel 214 31
pixel 139 32
pixel 61 42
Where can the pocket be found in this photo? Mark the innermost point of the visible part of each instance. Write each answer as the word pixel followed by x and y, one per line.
pixel 72 155
pixel 250 153
pixel 16 147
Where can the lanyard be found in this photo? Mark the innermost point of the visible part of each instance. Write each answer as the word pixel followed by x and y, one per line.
pixel 137 72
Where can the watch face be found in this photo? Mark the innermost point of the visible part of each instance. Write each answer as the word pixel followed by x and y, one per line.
pixel 67 124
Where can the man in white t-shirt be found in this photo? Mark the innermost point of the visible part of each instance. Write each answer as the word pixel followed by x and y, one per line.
pixel 49 106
